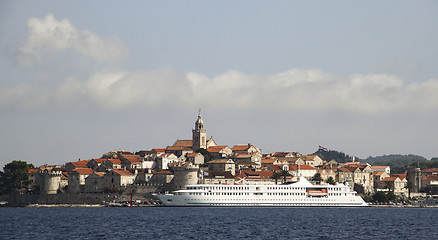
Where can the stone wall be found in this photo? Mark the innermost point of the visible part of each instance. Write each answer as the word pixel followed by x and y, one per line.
pixel 139 193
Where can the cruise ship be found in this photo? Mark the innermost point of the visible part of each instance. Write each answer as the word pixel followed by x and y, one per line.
pixel 299 194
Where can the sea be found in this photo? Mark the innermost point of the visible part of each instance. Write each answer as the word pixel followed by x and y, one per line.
pixel 218 223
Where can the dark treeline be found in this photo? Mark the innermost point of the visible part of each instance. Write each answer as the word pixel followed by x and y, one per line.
pixel 339 157
pixel 398 163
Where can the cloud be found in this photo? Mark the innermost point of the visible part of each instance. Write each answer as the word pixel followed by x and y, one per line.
pixel 295 89
pixel 116 88
pixel 48 36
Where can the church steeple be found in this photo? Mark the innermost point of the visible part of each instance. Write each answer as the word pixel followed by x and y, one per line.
pixel 199 134
pixel 199 124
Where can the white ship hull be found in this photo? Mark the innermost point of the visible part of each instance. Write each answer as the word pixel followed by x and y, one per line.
pixel 300 194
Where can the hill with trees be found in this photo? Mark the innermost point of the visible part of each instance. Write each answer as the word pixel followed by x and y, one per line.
pixel 339 157
pixel 400 163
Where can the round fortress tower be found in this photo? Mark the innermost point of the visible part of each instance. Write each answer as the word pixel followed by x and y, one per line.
pixel 50 181
pixel 185 174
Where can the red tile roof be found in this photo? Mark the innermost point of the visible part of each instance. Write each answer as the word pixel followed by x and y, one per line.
pixel 268 160
pixel 215 149
pixel 240 147
pixel 183 143
pixel 83 171
pixel 242 155
pixel 158 150
pixel 377 167
pixel 177 148
pixel 401 176
pixel 344 170
pixel 131 158
pixel 100 174
pixel 302 167
pixel 80 164
pixel 254 175
pixel 115 161
pixel 99 160
pixel 389 179
pixel 122 172
pixel 378 173
pixel 279 154
pixel 431 178
pixel 351 163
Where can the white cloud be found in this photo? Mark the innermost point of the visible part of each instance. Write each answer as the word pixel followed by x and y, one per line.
pixel 292 90
pixel 296 89
pixel 49 36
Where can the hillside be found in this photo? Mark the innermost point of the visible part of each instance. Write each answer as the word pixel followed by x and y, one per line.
pixel 399 163
pixel 339 157
pixel 395 160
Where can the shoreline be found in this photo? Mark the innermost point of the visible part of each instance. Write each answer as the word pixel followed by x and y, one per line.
pixel 160 205
pixel 404 206
pixel 85 205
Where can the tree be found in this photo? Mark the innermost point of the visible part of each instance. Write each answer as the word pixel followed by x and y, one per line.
pixel 284 174
pixel 276 176
pixel 380 197
pixel 330 181
pixel 317 177
pixel 358 188
pixel 391 196
pixel 14 176
pixel 339 157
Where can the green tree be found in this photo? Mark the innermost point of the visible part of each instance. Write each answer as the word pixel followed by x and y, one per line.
pixel 14 176
pixel 330 181
pixel 391 196
pixel 276 176
pixel 380 197
pixel 284 174
pixel 339 157
pixel 317 177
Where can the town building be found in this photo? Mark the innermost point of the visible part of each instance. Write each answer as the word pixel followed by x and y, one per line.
pixel 217 177
pixel 94 183
pixel 72 165
pixel 195 158
pixel 117 178
pixel 220 151
pixel 396 185
pixel 76 179
pixel 222 165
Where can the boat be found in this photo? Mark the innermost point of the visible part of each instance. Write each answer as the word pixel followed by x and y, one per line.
pixel 299 194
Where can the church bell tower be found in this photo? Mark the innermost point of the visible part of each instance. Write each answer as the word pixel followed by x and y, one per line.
pixel 199 134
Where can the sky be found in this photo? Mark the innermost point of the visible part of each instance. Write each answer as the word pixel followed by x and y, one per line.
pixel 81 78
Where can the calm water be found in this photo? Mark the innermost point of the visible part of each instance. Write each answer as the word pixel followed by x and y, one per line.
pixel 218 223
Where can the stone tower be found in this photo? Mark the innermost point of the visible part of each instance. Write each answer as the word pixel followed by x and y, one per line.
pixel 414 178
pixel 185 174
pixel 199 134
pixel 50 181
